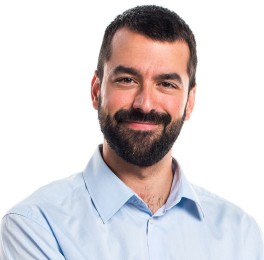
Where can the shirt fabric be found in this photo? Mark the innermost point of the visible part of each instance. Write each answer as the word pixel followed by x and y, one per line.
pixel 94 215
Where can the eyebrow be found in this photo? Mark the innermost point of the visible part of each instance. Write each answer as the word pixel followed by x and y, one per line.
pixel 128 70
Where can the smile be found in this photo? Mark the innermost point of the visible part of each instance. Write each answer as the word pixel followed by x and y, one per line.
pixel 141 126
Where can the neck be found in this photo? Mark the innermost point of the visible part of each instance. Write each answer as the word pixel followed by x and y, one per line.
pixel 152 183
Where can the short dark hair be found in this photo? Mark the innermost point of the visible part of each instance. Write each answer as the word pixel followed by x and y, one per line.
pixel 155 22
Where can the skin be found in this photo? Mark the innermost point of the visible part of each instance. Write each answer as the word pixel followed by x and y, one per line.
pixel 136 75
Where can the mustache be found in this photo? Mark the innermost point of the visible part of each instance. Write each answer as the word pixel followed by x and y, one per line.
pixel 124 115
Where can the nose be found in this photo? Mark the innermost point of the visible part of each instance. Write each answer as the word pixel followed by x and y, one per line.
pixel 144 100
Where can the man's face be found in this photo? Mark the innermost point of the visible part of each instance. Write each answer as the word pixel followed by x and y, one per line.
pixel 143 98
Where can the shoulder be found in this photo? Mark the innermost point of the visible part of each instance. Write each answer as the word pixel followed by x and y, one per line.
pixel 211 200
pixel 226 220
pixel 50 199
pixel 221 214
pixel 35 221
pixel 216 206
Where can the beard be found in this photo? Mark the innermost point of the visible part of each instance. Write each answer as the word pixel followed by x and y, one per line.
pixel 141 148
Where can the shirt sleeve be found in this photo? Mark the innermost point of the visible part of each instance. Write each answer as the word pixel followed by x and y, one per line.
pixel 23 238
pixel 252 244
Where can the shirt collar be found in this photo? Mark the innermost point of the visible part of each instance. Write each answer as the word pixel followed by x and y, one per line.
pixel 181 190
pixel 109 193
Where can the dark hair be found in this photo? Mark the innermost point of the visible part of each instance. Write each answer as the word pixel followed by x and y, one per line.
pixel 155 22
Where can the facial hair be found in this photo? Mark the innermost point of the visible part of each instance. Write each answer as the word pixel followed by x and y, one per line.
pixel 141 148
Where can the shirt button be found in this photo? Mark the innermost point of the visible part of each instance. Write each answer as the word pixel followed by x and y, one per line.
pixel 151 221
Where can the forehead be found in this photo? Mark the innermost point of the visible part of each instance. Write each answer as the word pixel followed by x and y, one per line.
pixel 150 58
pixel 135 50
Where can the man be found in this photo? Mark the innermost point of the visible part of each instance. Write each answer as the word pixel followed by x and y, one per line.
pixel 133 200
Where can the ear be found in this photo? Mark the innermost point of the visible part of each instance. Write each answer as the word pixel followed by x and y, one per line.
pixel 190 103
pixel 95 91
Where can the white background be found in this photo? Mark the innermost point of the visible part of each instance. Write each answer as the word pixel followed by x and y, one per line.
pixel 48 128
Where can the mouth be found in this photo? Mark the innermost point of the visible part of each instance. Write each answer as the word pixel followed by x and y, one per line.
pixel 141 125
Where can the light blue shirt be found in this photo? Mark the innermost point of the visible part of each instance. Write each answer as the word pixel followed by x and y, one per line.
pixel 94 215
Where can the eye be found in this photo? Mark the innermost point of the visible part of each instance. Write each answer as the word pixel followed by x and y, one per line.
pixel 126 81
pixel 166 84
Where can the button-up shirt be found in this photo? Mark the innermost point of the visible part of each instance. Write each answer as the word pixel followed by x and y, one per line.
pixel 94 215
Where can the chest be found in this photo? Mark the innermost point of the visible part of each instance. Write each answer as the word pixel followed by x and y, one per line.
pixel 132 235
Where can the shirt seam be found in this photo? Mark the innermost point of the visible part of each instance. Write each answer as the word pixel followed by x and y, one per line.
pixel 4 252
pixel 49 232
pixel 29 219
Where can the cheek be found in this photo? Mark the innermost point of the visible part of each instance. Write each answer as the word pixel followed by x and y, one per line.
pixel 175 106
pixel 116 100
